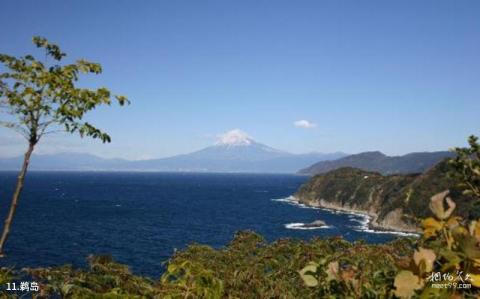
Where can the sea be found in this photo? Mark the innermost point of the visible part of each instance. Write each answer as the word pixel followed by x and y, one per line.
pixel 141 219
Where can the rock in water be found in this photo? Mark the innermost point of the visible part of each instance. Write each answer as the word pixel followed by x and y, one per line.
pixel 316 223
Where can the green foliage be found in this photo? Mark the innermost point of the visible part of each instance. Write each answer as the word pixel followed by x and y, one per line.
pixel 103 279
pixel 353 186
pixel 450 245
pixel 358 272
pixel 6 276
pixel 251 268
pixel 39 97
pixel 191 280
pixel 467 167
pixel 248 267
pixel 433 181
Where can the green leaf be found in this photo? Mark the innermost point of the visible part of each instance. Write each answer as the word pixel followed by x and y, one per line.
pixel 307 274
pixel 309 280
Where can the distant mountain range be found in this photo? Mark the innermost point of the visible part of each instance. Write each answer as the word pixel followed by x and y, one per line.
pixel 235 152
pixel 378 162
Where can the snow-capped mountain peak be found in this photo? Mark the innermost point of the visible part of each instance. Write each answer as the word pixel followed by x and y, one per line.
pixel 234 138
pixel 235 151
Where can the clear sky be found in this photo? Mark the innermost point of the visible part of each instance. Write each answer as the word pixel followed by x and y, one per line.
pixel 395 76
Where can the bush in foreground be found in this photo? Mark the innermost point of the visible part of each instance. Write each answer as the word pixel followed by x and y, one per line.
pixel 248 267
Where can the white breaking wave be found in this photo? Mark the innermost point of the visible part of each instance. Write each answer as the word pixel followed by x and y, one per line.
pixel 364 226
pixel 290 199
pixel 299 225
pixel 390 232
pixel 363 222
pixel 294 202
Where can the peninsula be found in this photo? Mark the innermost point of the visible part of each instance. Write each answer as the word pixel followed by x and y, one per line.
pixel 394 202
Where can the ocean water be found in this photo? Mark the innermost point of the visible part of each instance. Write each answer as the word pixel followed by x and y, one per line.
pixel 141 218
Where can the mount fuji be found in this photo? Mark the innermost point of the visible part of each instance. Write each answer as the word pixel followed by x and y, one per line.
pixel 235 151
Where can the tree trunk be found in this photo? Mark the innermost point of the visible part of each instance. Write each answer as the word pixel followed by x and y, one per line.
pixel 15 197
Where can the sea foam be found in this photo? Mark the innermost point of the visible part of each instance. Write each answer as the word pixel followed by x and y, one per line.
pixel 362 219
pixel 299 225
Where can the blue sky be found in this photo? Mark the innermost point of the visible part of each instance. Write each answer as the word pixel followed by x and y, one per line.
pixel 395 76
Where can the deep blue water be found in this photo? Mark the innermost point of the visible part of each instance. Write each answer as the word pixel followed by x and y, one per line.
pixel 140 218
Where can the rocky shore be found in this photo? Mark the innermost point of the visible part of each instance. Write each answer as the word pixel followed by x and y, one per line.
pixel 393 222
pixel 391 202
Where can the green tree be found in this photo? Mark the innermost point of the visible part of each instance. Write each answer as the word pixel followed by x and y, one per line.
pixel 39 98
pixel 467 167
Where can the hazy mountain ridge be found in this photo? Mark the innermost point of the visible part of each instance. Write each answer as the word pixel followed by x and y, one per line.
pixel 378 162
pixel 63 161
pixel 236 151
pixel 252 157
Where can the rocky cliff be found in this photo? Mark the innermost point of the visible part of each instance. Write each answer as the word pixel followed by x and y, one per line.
pixel 395 202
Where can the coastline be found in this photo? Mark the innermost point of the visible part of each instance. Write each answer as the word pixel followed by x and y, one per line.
pixel 370 223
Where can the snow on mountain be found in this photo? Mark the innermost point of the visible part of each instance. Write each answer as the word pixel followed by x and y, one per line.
pixel 234 137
